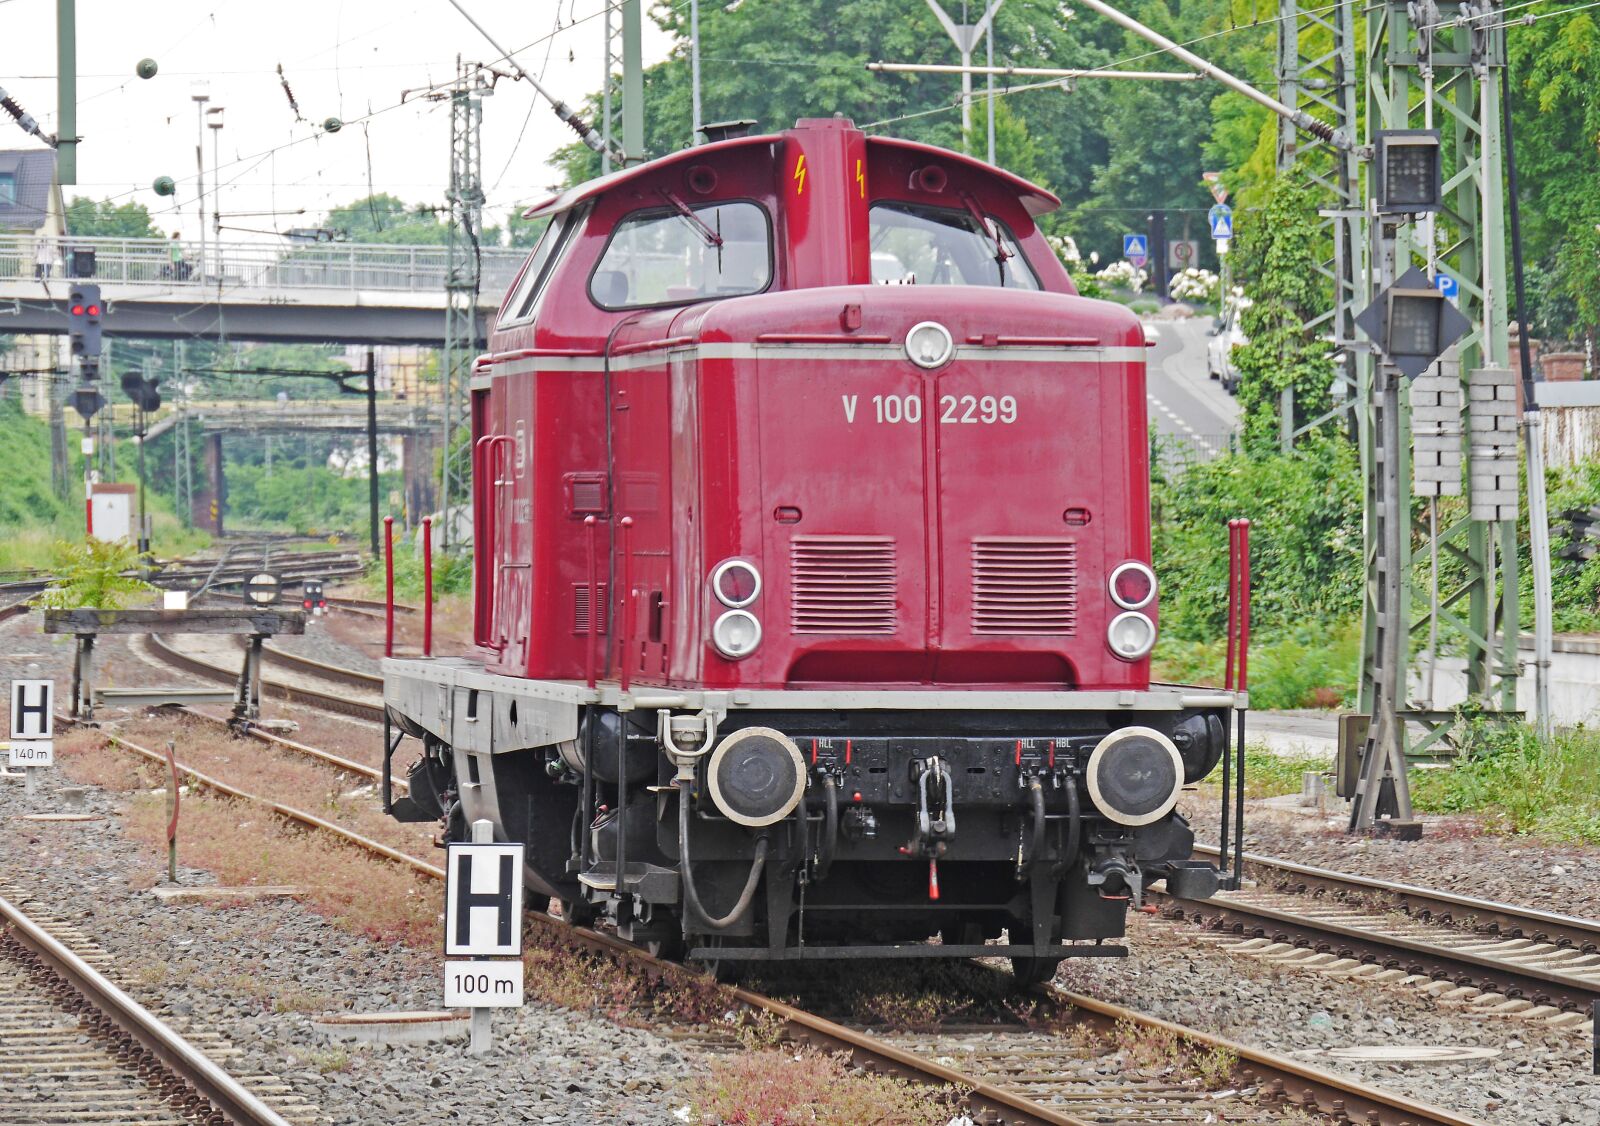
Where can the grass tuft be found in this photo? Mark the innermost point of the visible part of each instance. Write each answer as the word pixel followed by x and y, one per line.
pixel 785 1088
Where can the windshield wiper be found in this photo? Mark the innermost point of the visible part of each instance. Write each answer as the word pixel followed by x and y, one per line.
pixel 686 213
pixel 988 228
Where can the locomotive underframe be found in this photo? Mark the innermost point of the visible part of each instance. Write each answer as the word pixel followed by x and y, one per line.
pixel 1049 869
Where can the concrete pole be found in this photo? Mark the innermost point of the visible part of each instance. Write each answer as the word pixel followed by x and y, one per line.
pixel 66 92
pixel 372 448
pixel 989 46
pixel 632 81
pixel 694 67
pixel 200 101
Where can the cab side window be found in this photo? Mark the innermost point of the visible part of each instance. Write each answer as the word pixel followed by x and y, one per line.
pixel 667 255
pixel 552 245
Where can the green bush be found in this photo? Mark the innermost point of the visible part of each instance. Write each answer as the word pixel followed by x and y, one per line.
pixel 1550 787
pixel 1305 540
pixel 92 573
pixel 1309 667
pixel 452 574
pixel 1575 584
pixel 308 499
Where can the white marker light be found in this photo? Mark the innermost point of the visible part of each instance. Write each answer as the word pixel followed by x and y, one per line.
pixel 1131 635
pixel 736 634
pixel 928 345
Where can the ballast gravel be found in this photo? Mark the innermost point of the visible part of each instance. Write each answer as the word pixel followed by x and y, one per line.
pixel 1540 1078
pixel 259 974
pixel 1455 854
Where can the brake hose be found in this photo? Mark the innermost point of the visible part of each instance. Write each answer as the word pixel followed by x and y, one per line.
pixel 830 827
pixel 1036 845
pixel 691 897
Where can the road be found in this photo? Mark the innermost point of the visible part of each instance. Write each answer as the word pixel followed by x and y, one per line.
pixel 1186 405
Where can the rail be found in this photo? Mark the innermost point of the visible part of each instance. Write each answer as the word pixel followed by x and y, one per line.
pixel 181 1058
pixel 349 266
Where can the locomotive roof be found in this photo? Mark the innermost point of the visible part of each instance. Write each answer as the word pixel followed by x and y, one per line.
pixel 1035 200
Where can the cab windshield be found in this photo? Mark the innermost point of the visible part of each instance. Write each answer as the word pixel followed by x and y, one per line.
pixel 913 244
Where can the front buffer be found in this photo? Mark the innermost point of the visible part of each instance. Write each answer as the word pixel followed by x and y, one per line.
pixel 788 825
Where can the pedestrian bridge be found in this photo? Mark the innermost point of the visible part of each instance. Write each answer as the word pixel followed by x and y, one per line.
pixel 341 292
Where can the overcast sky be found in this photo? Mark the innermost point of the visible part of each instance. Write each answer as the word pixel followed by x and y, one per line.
pixel 344 58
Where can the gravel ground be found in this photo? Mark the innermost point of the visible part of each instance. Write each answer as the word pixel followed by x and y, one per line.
pixel 326 642
pixel 1541 1078
pixel 260 973
pixel 1454 855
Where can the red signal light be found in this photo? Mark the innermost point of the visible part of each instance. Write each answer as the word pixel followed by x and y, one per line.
pixel 77 310
pixel 93 310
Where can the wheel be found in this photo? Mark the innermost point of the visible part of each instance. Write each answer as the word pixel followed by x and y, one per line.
pixel 669 948
pixel 1033 971
pixel 577 912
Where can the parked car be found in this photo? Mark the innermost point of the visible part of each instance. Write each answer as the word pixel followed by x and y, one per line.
pixel 1226 338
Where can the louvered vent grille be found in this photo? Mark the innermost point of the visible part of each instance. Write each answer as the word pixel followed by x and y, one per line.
pixel 580 608
pixel 1024 586
pixel 841 584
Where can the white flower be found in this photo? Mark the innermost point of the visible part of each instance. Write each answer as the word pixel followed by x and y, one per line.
pixel 1195 283
pixel 1123 274
pixel 1066 249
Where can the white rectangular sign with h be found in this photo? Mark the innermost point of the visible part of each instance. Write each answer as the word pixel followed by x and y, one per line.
pixel 33 725
pixel 483 901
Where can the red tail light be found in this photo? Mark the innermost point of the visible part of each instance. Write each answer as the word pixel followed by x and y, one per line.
pixel 1133 585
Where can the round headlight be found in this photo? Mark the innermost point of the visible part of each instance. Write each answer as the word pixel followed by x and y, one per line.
pixel 736 634
pixel 1134 776
pixel 735 583
pixel 1133 585
pixel 928 345
pixel 1131 635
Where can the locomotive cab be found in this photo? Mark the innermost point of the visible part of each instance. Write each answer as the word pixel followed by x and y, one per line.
pixel 812 579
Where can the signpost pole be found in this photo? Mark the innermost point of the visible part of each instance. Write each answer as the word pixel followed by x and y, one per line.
pixel 482 1035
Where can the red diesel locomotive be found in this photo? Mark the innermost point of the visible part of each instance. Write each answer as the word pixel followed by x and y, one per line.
pixel 812 571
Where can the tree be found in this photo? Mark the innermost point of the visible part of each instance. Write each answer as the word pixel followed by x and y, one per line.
pixel 89 219
pixel 1277 254
pixel 384 218
pixel 1556 121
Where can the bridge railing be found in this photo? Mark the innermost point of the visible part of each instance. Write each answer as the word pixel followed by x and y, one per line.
pixel 259 265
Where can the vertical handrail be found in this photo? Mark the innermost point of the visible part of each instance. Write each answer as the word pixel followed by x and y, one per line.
pixel 592 526
pixel 1225 839
pixel 388 586
pixel 427 586
pixel 1244 688
pixel 625 632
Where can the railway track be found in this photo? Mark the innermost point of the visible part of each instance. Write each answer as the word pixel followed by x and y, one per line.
pixel 1011 1075
pixel 1496 957
pixel 162 650
pixel 1524 962
pixel 74 1048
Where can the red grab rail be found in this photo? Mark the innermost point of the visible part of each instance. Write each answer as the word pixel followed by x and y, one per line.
pixel 388 586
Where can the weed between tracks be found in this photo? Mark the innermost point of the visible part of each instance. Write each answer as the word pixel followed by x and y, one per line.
pixel 784 1088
